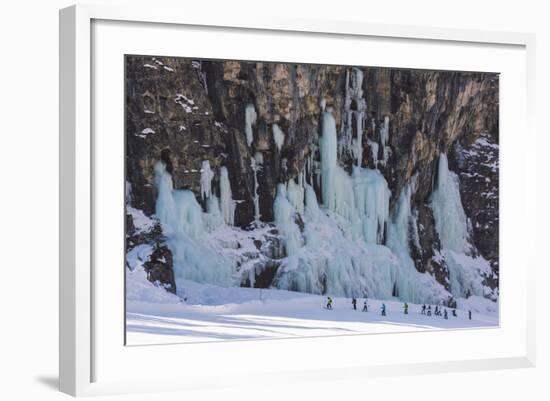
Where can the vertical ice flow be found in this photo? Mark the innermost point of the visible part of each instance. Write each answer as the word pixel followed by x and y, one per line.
pixel 256 163
pixel 278 136
pixel 284 219
pixel 206 179
pixel 450 219
pixel 227 204
pixel 249 120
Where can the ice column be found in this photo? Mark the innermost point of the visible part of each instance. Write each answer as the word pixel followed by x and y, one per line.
pixel 336 184
pixel 465 272
pixel 256 163
pixel 213 216
pixel 450 219
pixel 227 204
pixel 328 159
pixel 249 120
pixel 284 219
pixel 278 136
pixel 206 179
pixel 165 208
pixel 372 198
pixel 354 115
pixel 406 280
pixel 384 139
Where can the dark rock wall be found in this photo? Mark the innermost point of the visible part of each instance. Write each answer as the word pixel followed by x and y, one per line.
pixel 197 112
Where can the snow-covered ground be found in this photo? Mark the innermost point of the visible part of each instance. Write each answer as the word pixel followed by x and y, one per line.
pixel 212 313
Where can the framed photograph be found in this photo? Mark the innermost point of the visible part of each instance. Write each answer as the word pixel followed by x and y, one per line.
pixel 260 198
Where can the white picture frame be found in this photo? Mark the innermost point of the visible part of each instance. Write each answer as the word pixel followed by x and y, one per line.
pixel 84 348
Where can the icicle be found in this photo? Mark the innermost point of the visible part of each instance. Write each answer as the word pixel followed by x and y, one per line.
pixel 256 163
pixel 249 120
pixel 374 152
pixel 227 204
pixel 354 111
pixel 311 163
pixel 336 184
pixel 206 179
pixel 278 136
pixel 165 209
pixel 328 159
pixel 128 192
pixel 384 139
pixel 197 65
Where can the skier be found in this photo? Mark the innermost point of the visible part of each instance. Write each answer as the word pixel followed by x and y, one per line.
pixel 365 308
pixel 423 312
pixel 383 309
pixel 436 312
pixel 406 308
pixel 470 314
pixel 329 303
pixel 429 310
pixel 354 303
pixel 454 313
pixel 445 315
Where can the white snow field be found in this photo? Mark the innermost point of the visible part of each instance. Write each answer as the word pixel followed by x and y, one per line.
pixel 212 313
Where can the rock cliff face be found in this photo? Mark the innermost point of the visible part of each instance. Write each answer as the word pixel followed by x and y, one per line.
pixel 231 113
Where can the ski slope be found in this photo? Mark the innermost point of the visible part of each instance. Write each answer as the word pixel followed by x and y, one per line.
pixel 212 313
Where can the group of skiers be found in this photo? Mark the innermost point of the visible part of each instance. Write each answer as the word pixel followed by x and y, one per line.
pixel 426 310
pixel 438 312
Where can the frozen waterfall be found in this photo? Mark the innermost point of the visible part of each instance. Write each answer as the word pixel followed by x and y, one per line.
pixel 362 198
pixel 372 199
pixel 450 219
pixel 284 218
pixel 324 260
pixel 410 285
pixel 336 184
pixel 466 271
pixel 181 218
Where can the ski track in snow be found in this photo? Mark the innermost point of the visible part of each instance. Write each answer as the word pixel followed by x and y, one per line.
pixel 250 313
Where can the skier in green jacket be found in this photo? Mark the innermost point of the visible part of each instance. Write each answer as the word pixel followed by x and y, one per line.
pixel 406 308
pixel 329 303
